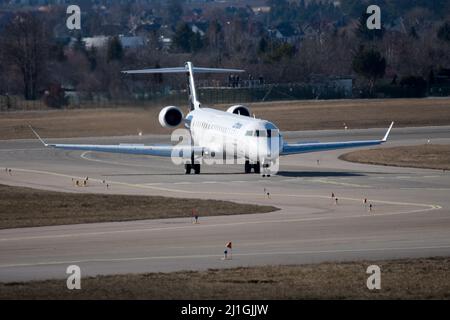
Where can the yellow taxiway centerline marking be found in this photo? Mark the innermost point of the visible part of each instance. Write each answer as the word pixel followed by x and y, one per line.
pixel 144 186
pixel 423 208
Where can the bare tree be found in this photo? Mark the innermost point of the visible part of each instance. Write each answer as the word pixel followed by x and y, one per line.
pixel 24 44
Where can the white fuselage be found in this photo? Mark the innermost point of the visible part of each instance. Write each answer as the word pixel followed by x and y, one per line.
pixel 239 136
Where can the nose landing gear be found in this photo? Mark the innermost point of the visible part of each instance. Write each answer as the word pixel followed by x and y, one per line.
pixel 266 170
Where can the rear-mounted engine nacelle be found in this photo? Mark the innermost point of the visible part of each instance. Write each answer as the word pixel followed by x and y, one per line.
pixel 239 109
pixel 170 117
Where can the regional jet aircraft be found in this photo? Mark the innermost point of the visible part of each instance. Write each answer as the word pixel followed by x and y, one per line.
pixel 233 133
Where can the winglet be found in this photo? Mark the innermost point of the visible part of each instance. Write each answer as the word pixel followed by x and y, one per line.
pixel 36 134
pixel 387 132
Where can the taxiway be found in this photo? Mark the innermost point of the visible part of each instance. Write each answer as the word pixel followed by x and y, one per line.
pixel 411 216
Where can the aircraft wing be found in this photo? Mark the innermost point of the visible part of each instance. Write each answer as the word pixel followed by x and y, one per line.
pixel 151 150
pixel 160 150
pixel 295 148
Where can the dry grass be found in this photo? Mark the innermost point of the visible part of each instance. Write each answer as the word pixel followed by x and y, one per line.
pixel 314 115
pixel 288 115
pixel 80 123
pixel 24 207
pixel 429 156
pixel 400 279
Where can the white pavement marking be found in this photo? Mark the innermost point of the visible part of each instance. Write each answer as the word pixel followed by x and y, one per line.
pixel 264 253
pixel 430 189
pixel 345 184
pixel 220 225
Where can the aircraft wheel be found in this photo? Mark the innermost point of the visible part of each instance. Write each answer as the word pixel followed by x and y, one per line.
pixel 188 168
pixel 257 167
pixel 248 167
pixel 197 168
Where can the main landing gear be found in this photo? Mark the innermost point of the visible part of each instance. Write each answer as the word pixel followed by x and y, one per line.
pixel 189 167
pixel 255 166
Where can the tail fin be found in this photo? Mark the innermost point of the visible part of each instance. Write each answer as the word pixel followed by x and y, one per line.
pixel 189 69
pixel 193 101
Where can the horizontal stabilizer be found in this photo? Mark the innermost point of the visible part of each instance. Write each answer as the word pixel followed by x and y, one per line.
pixel 182 70
pixel 190 70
